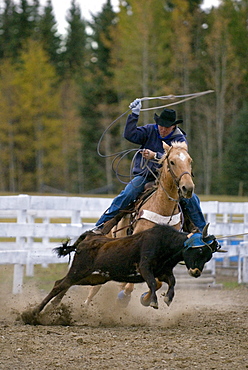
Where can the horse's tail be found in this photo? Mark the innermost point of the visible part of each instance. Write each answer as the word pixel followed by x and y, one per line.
pixel 65 249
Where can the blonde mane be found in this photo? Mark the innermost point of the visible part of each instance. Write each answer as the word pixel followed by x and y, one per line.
pixel 176 145
pixel 179 144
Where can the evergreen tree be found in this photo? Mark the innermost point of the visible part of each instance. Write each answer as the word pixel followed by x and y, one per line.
pixel 9 40
pixel 49 36
pixel 27 15
pixel 236 157
pixel 99 104
pixel 75 41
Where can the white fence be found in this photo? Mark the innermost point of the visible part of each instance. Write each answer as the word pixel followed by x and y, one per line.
pixel 36 224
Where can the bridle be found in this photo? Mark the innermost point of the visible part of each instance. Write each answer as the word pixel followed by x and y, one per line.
pixel 175 178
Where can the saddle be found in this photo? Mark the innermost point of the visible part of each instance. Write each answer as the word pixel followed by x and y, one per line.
pixel 134 207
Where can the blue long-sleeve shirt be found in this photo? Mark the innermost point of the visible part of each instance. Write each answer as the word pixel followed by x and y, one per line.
pixel 148 137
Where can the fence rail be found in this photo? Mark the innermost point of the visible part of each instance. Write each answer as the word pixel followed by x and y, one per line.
pixel 31 226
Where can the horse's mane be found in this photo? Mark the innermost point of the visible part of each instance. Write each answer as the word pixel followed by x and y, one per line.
pixel 179 144
pixel 176 145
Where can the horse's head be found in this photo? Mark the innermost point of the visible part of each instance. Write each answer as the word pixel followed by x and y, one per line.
pixel 178 162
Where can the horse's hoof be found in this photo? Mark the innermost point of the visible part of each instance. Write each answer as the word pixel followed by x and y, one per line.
pixel 123 299
pixel 154 305
pixel 144 301
pixel 167 300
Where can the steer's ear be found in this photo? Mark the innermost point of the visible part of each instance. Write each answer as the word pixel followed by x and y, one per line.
pixel 205 231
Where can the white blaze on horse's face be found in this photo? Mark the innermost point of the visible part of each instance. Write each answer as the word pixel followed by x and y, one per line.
pixel 182 156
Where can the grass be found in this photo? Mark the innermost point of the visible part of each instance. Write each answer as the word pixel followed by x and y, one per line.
pixel 228 282
pixel 44 277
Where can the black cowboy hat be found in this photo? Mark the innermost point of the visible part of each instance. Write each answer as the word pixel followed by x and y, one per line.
pixel 167 118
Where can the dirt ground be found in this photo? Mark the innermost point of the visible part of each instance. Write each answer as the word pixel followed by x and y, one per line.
pixel 202 329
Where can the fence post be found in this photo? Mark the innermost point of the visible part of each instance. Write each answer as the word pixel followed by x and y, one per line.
pixel 18 279
pixel 30 240
pixel 245 269
pixel 19 268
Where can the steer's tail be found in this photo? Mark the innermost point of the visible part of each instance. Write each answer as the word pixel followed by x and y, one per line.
pixel 66 248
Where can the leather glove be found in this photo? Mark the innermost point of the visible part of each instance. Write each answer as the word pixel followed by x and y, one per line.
pixel 136 106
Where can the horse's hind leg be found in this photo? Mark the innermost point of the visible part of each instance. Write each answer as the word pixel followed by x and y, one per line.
pixel 124 295
pixel 92 292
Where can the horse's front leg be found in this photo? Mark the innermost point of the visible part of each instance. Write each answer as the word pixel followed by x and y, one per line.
pixel 169 278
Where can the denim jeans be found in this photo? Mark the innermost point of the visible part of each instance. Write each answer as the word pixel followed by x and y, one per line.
pixel 128 195
pixel 193 207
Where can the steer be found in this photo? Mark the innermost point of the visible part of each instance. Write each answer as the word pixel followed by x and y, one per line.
pixel 147 256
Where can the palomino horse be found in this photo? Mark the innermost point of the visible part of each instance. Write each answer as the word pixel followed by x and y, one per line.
pixel 175 181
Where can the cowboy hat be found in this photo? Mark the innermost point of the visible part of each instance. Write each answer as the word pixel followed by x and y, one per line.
pixel 167 118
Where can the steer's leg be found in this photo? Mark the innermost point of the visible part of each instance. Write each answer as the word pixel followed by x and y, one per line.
pixel 145 298
pixel 60 287
pixel 151 282
pixel 56 301
pixel 169 278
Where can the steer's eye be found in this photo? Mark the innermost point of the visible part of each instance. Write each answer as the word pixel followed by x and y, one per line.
pixel 172 163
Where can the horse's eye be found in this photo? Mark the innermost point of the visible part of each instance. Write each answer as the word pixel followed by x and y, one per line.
pixel 172 163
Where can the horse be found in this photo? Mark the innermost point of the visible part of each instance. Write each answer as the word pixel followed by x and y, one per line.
pixel 162 207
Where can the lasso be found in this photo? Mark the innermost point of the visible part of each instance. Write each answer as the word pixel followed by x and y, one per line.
pixel 125 152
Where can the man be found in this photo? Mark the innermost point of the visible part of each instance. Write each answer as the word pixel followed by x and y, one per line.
pixel 151 138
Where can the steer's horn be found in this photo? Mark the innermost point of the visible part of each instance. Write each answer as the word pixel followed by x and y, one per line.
pixel 205 231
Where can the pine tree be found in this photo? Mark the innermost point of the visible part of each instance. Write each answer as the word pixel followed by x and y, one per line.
pixel 49 36
pixel 9 40
pixel 75 41
pixel 99 104
pixel 236 157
